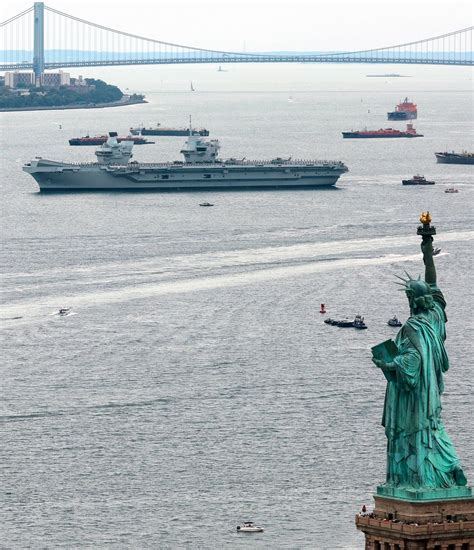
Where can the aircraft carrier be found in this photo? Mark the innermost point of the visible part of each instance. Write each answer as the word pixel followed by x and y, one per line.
pixel 201 169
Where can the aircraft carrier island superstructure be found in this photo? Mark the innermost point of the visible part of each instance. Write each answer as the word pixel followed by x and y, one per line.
pixel 201 169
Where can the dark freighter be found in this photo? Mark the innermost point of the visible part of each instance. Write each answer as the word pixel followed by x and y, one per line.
pixel 455 158
pixel 159 130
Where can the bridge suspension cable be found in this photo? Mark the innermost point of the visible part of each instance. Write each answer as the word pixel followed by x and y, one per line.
pixel 137 37
pixel 413 43
pixel 62 40
pixel 16 17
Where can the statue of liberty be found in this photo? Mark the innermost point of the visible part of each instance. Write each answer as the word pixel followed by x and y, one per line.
pixel 420 454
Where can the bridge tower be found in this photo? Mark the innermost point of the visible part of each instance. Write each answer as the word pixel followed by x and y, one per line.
pixel 38 53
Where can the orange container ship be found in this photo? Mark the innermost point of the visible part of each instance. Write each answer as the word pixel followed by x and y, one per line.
pixel 406 110
pixel 410 132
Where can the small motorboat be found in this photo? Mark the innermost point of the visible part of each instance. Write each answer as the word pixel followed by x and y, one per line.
pixel 436 251
pixel 394 322
pixel 206 204
pixel 64 311
pixel 359 322
pixel 418 180
pixel 249 527
pixel 451 190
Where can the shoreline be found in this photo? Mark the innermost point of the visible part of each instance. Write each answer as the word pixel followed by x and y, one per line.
pixel 74 106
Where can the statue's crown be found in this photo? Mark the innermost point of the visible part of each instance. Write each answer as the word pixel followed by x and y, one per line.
pixel 414 287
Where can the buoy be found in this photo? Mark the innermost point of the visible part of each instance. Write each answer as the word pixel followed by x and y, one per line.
pixel 322 310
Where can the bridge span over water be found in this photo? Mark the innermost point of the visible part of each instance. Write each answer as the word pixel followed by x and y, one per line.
pixel 41 38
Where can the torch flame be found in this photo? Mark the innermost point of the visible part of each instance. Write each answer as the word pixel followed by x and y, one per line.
pixel 425 218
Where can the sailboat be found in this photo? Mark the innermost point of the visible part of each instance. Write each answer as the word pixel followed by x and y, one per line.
pixel 221 70
pixel 192 87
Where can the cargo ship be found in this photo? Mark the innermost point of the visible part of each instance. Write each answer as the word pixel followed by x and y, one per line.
pixel 159 130
pixel 406 110
pixel 201 169
pixel 390 75
pixel 455 158
pixel 100 140
pixel 410 132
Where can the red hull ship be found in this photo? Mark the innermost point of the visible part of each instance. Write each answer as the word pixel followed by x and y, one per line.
pixel 410 132
pixel 406 110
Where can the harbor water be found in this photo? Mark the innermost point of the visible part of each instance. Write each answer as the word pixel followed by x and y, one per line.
pixel 194 384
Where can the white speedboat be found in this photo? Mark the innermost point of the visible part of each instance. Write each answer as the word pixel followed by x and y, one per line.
pixel 249 527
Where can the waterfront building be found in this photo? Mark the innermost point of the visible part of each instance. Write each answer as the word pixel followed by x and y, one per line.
pixel 13 79
pixel 55 80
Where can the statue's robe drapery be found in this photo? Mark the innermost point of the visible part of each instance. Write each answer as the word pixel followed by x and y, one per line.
pixel 420 452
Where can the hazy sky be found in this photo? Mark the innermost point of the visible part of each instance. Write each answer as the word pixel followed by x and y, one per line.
pixel 259 25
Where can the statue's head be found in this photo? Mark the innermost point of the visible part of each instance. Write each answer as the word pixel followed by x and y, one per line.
pixel 418 293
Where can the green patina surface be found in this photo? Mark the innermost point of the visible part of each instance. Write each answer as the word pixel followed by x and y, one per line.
pixel 459 492
pixel 422 463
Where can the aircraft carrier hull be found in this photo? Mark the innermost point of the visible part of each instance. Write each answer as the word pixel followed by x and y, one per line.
pixel 52 176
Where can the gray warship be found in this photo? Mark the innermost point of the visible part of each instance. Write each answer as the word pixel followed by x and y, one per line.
pixel 200 170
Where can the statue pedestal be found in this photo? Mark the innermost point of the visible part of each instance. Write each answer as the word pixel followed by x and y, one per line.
pixel 402 524
pixel 424 494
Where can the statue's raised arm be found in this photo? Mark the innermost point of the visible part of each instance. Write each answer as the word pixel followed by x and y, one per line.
pixel 427 231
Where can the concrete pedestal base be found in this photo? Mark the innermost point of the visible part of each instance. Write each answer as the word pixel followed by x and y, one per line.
pixel 399 524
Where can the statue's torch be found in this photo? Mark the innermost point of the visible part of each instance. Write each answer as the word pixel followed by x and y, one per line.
pixel 425 229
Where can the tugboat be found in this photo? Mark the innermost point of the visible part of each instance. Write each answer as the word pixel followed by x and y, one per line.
pixel 359 322
pixel 451 190
pixel 100 140
pixel 405 110
pixel 455 158
pixel 394 322
pixel 418 180
pixel 410 132
pixel 249 527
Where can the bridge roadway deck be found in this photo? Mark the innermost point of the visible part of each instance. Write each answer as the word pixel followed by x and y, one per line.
pixel 222 59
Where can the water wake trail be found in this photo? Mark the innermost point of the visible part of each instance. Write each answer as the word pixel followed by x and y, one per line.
pixel 163 266
pixel 201 283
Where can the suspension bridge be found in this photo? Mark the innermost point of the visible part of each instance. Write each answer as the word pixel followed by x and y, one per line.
pixel 41 38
